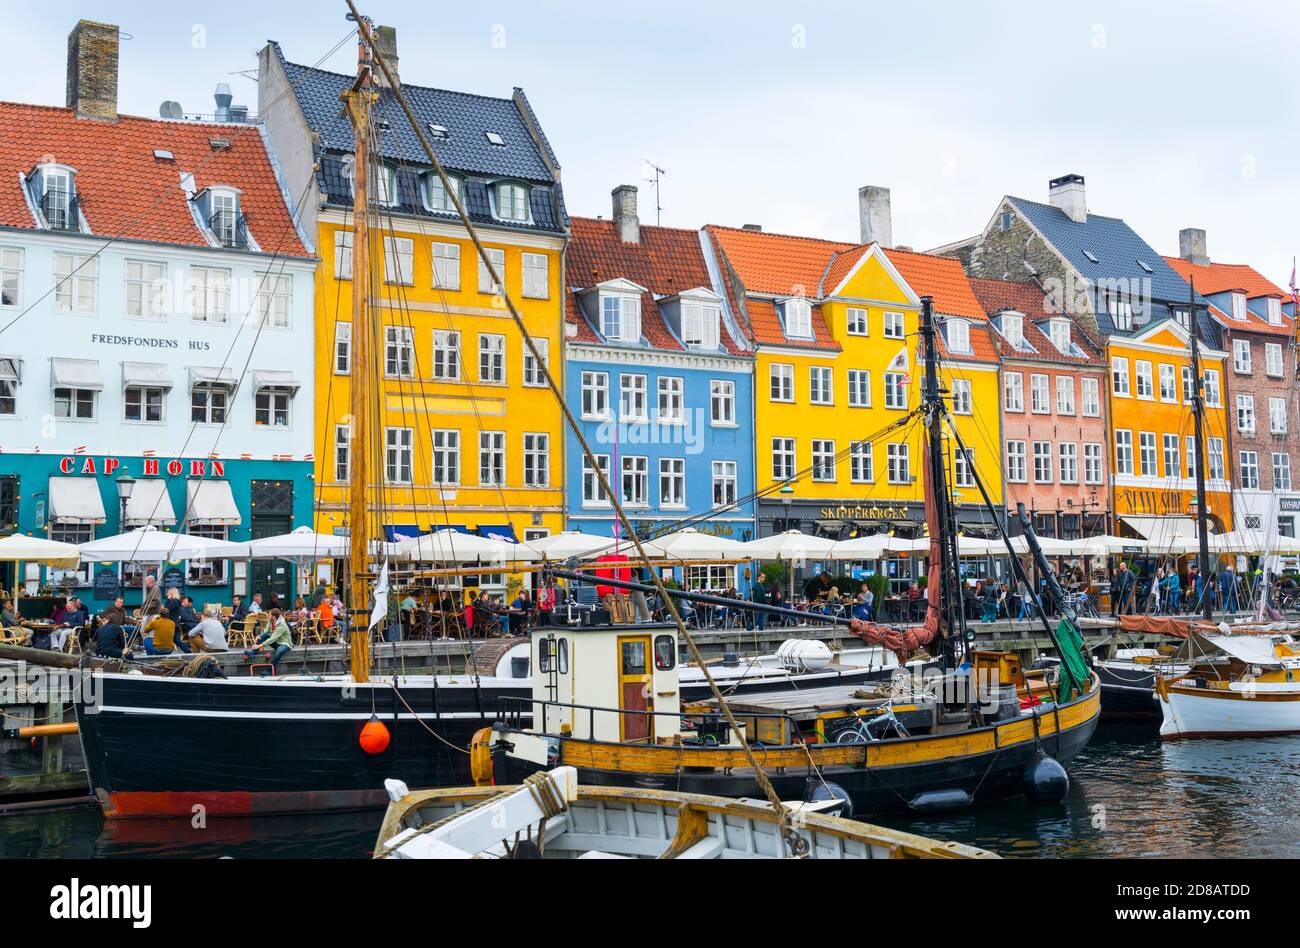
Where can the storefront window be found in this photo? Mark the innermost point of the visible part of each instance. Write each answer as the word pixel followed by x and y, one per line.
pixel 207 572
pixel 70 533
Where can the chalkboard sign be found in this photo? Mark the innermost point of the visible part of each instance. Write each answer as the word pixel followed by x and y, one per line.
pixel 173 578
pixel 107 587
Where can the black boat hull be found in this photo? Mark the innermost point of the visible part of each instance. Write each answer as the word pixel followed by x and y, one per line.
pixel 162 747
pixel 1127 694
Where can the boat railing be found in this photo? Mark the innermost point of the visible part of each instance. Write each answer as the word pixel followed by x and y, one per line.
pixel 709 726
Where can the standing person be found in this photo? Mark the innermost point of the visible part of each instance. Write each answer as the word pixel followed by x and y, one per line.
pixel 1173 591
pixel 758 596
pixel 151 601
pixel 1228 601
pixel 1122 591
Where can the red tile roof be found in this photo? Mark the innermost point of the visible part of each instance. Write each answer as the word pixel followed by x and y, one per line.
pixel 767 329
pixel 941 278
pixel 997 296
pixel 1212 278
pixel 777 264
pixel 126 192
pixel 666 261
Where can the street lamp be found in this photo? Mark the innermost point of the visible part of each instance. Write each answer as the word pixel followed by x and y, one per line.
pixel 125 484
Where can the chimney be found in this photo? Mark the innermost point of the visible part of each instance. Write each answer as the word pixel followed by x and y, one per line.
pixel 876 217
pixel 1191 245
pixel 1067 193
pixel 629 227
pixel 92 70
pixel 386 43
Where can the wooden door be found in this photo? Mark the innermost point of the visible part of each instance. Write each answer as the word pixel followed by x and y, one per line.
pixel 634 687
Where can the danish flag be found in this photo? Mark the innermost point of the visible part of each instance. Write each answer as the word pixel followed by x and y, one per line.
pixel 80 449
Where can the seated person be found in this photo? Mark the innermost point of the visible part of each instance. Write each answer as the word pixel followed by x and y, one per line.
pixel 276 641
pixel 184 616
pixel 208 635
pixel 9 617
pixel 115 613
pixel 239 611
pixel 110 640
pixel 163 630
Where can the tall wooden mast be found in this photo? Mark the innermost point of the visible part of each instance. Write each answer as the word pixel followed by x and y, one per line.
pixel 358 101
pixel 1198 415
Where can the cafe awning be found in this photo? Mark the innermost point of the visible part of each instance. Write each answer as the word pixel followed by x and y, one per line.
pixel 211 503
pixel 76 373
pixel 150 504
pixel 212 376
pixel 275 378
pixel 147 374
pixel 1162 532
pixel 75 500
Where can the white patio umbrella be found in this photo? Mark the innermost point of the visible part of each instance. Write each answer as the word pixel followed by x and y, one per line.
pixel 302 544
pixel 302 548
pixel 451 547
pixel 690 544
pixel 791 546
pixel 860 548
pixel 574 544
pixel 19 548
pixel 151 545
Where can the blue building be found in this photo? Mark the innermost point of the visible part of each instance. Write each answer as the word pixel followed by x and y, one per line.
pixel 661 379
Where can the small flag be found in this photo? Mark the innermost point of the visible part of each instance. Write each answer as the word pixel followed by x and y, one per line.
pixel 80 449
pixel 151 454
pixel 282 457
pixel 907 379
pixel 1295 293
pixel 380 610
pixel 214 456
pixel 246 456
pixel 309 457
pixel 899 362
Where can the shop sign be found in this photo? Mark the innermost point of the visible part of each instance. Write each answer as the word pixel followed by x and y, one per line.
pixel 150 467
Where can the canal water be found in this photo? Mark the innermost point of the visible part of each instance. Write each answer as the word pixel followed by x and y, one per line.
pixel 1130 795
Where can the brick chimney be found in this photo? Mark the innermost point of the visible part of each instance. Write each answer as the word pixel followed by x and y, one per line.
pixel 1067 193
pixel 386 43
pixel 1192 246
pixel 629 226
pixel 92 70
pixel 875 216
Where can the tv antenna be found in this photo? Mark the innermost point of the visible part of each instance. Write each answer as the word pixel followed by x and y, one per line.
pixel 655 176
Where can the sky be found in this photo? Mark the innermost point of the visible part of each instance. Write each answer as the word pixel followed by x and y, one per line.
pixel 1179 114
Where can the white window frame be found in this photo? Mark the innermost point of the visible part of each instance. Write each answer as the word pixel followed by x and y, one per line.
pixel 11 276
pixel 898 462
pixel 670 400
pixel 1068 455
pixel 275 300
pixel 1273 364
pixel 1124 458
pixel 1145 388
pixel 76 277
pixel 445 470
pixel 785 459
pixel 1013 391
pixel 446 355
pixel 672 483
pixel 273 408
pixel 823 461
pixel 634 480
pixel 722 403
pixel 537 276
pixel 1040 394
pixel 399 261
pixel 781 382
pixel 537 459
pixel 399 455
pixel 512 201
pixel 895 326
pixel 1090 397
pixel 444 259
pixel 862 468
pixel 145 391
pixel 485 284
pixel 144 294
pixel 1119 377
pixel 633 397
pixel 533 376
pixel 896 390
pixel 595 396
pixel 797 315
pixel 857 322
pixel 1017 463
pixel 859 381
pixel 399 352
pixel 620 317
pixel 1168 383
pixel 492 458
pixel 724 484
pixel 342 254
pixel 1241 356
pixel 1093 463
pixel 821 385
pixel 491 358
pixel 593 494
pixel 1065 395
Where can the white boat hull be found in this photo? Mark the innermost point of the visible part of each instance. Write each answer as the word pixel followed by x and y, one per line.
pixel 1269 710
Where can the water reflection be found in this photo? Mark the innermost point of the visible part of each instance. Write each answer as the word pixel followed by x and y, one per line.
pixel 1130 795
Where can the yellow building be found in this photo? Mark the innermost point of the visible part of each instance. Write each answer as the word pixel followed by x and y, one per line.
pixel 469 436
pixel 836 327
pixel 1153 435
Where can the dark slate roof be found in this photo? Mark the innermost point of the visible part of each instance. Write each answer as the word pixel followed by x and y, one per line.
pixel 466 149
pixel 1118 248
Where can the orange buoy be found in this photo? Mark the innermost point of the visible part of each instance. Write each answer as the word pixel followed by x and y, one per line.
pixel 374 736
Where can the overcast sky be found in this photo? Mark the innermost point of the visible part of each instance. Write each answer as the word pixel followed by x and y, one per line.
pixel 1179 114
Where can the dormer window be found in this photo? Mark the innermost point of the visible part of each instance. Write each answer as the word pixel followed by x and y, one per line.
pixel 1274 311
pixel 437 196
pixel 55 192
pixel 512 201
pixel 1013 327
pixel 620 317
pixel 700 325
pixel 1239 306
pixel 1059 329
pixel 958 334
pixel 798 319
pixel 224 219
pixel 1121 312
pixel 386 185
pixel 1183 318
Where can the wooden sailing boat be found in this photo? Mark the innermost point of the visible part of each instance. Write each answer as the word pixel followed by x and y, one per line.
pixel 554 817
pixel 607 701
